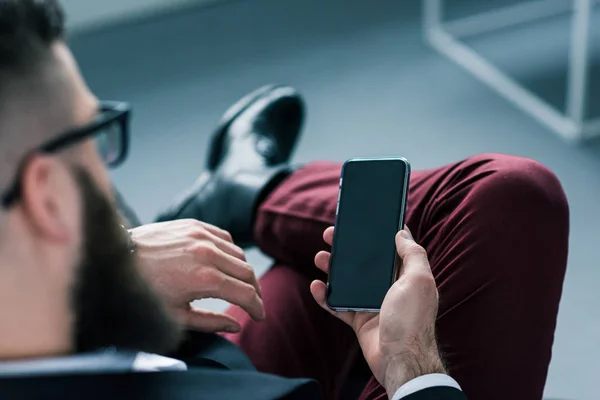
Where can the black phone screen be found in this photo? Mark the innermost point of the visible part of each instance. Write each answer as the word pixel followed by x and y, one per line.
pixel 370 213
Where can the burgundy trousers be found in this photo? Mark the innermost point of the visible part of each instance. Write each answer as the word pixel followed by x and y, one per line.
pixel 496 231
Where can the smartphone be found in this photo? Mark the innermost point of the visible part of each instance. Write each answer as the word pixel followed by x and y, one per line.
pixel 370 211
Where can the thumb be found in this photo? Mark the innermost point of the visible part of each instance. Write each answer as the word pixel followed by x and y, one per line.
pixel 413 256
pixel 407 233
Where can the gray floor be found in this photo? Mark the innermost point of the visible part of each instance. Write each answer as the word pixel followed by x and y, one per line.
pixel 373 88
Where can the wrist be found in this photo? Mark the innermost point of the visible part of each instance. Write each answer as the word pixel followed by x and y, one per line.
pixel 410 365
pixel 132 244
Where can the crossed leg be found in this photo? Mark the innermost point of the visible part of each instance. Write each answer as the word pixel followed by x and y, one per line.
pixel 496 231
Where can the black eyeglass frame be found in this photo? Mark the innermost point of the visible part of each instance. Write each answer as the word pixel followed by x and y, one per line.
pixel 110 112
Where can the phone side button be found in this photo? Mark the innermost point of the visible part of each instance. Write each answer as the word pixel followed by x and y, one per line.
pixel 337 208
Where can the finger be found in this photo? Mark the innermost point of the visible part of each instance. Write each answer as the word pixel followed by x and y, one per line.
pixel 215 230
pixel 414 257
pixel 328 235
pixel 239 293
pixel 322 261
pixel 238 269
pixel 229 248
pixel 319 292
pixel 208 321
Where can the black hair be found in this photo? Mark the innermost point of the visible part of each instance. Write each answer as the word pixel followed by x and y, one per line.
pixel 27 30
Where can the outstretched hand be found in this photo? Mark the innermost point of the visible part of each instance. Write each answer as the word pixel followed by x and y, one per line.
pixel 398 342
pixel 187 260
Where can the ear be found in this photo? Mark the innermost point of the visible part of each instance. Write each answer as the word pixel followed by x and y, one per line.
pixel 50 198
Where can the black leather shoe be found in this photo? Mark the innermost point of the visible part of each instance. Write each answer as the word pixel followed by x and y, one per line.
pixel 273 114
pixel 219 135
pixel 248 158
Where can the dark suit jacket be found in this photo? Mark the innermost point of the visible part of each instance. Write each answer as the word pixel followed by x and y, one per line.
pixel 217 369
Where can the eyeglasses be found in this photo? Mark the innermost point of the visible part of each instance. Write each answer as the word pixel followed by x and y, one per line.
pixel 110 130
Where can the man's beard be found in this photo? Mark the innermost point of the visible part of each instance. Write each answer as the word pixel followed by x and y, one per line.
pixel 113 304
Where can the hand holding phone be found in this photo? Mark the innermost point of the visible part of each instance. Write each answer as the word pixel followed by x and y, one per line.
pixel 398 343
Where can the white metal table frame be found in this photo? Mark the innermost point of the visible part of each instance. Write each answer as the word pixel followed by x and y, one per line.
pixel 444 36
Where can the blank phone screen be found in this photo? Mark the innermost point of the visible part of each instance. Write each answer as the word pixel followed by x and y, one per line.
pixel 370 213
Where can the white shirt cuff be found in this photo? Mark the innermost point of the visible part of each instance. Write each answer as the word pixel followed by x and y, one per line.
pixel 146 362
pixel 424 382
